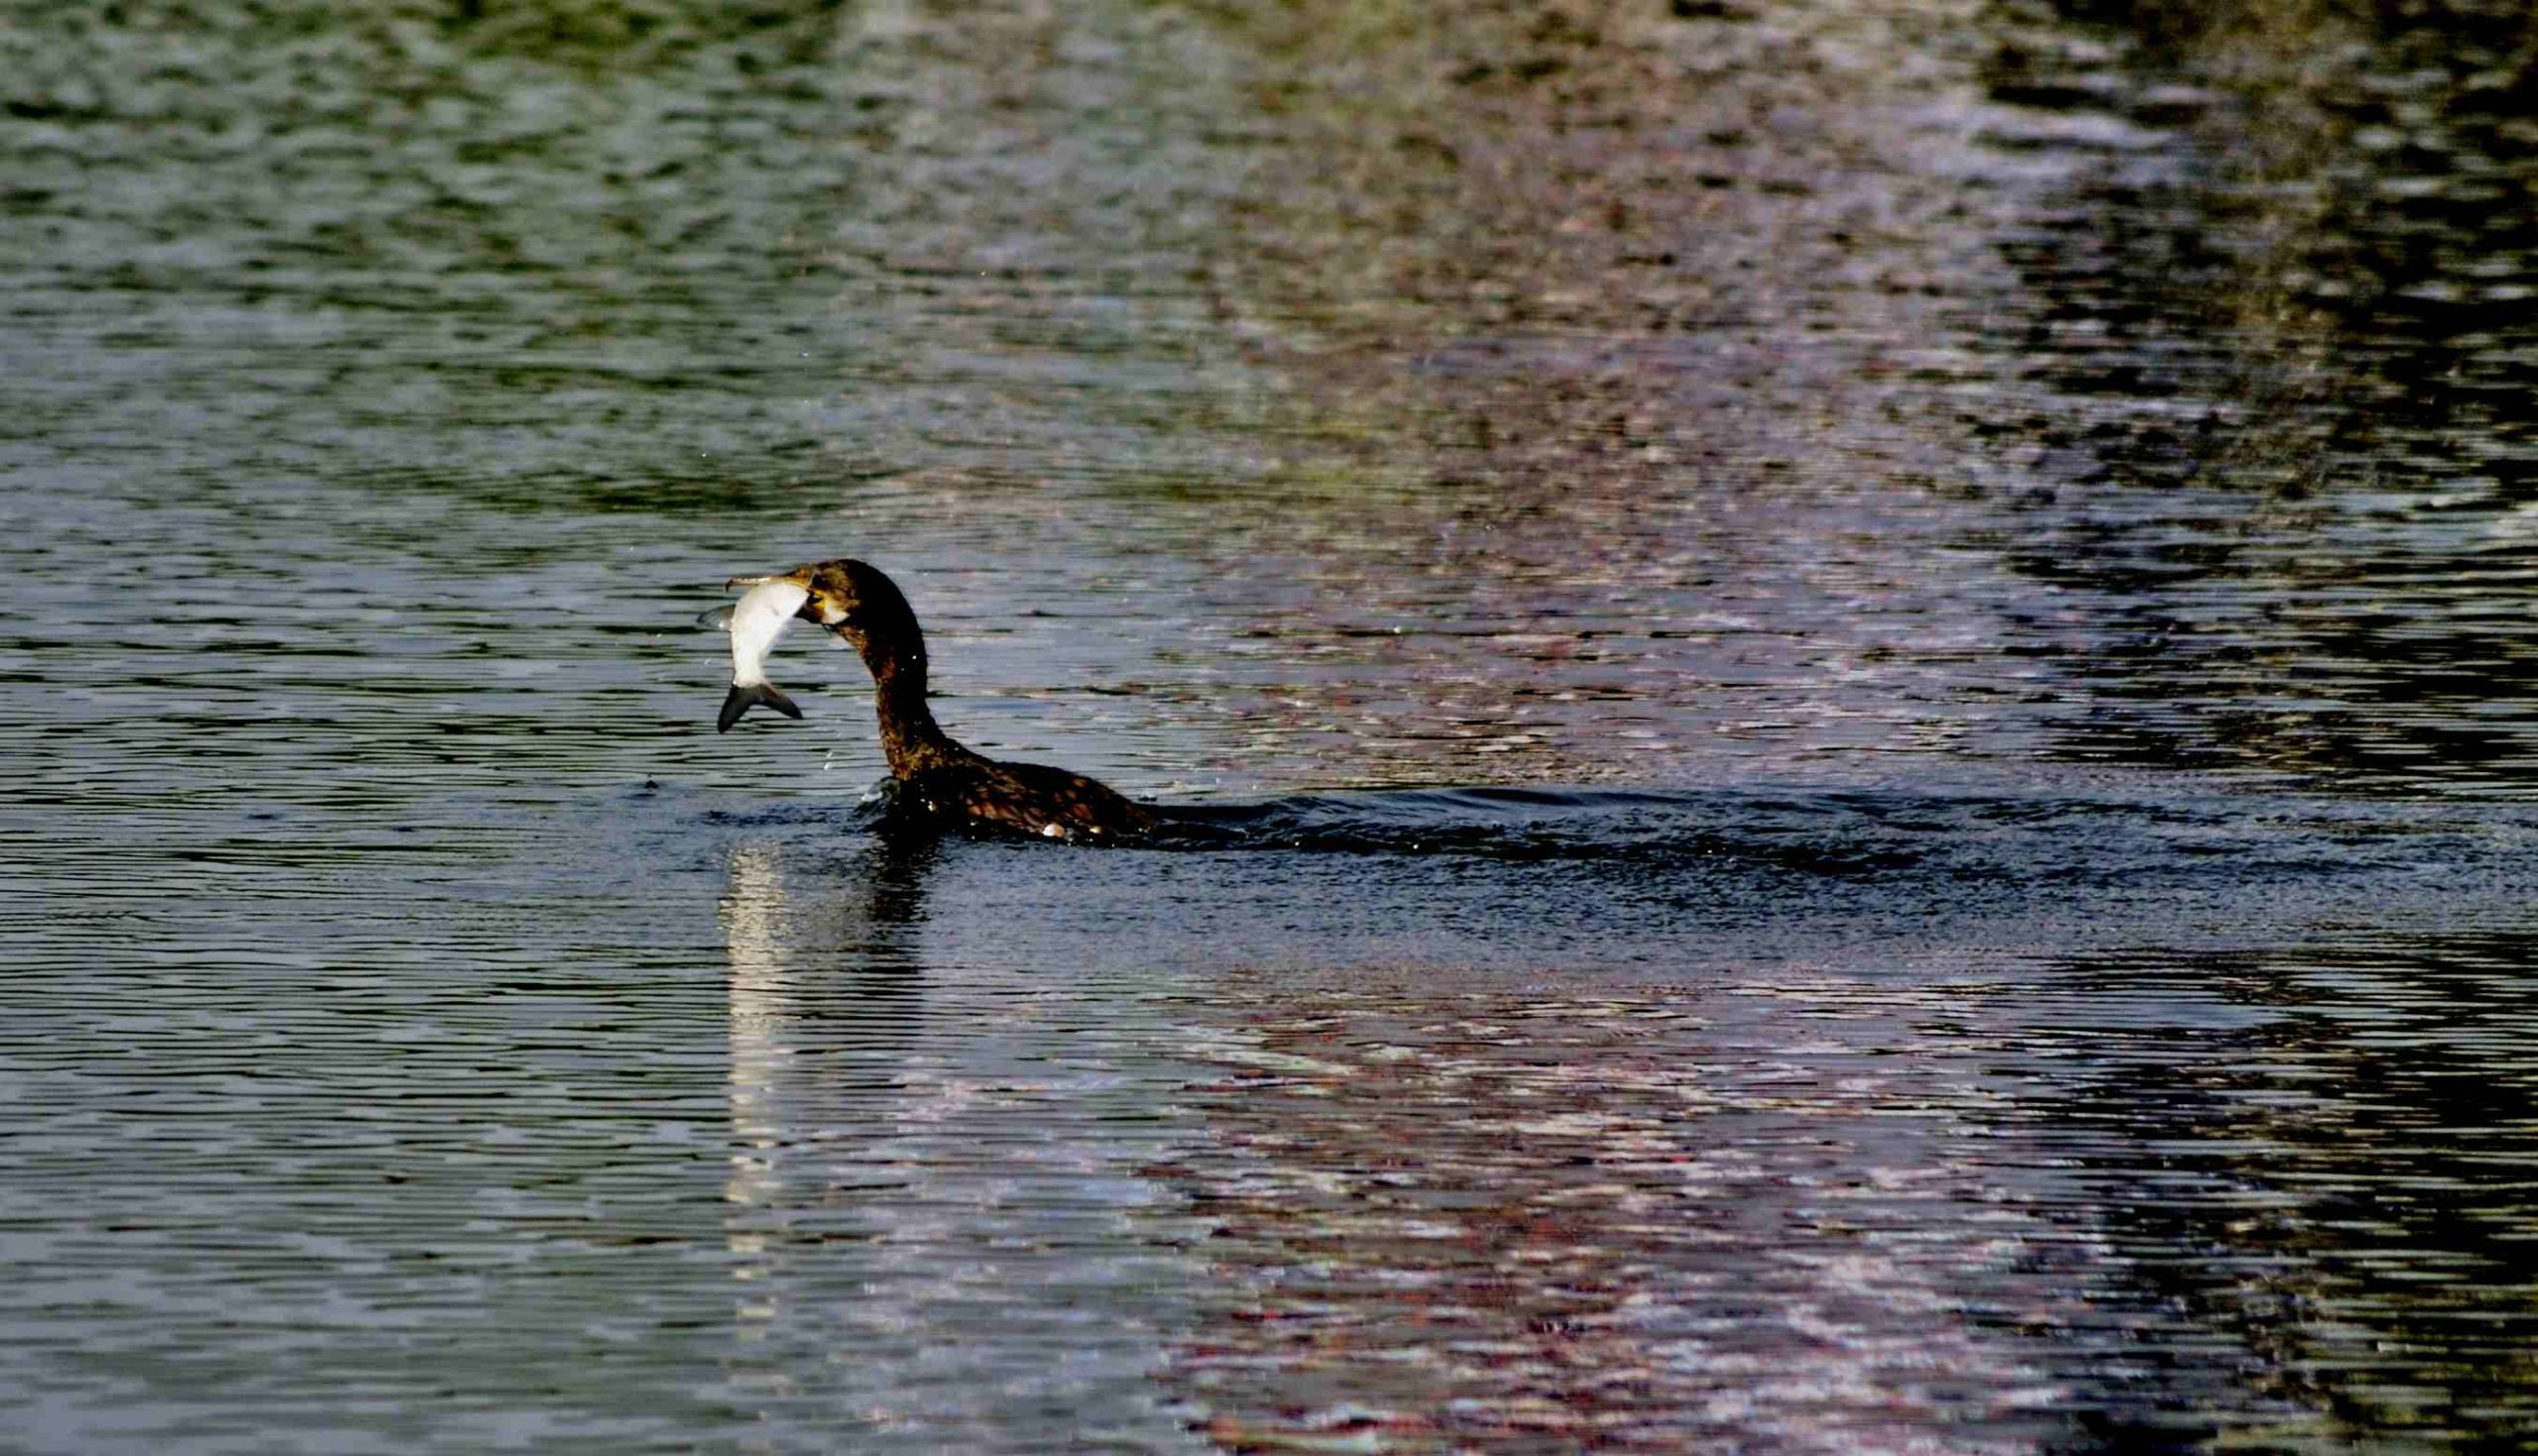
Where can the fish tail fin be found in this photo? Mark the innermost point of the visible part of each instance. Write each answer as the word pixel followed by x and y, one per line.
pixel 759 695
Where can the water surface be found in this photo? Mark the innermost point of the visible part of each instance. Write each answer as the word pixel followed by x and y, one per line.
pixel 1854 681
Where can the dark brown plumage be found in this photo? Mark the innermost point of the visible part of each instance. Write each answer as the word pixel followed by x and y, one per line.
pixel 939 781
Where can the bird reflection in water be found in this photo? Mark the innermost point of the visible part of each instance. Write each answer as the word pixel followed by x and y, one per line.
pixel 938 1162
pixel 825 997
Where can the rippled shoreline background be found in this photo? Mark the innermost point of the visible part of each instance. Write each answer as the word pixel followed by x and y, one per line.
pixel 1869 664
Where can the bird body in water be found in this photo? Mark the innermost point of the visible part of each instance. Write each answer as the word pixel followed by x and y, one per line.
pixel 936 780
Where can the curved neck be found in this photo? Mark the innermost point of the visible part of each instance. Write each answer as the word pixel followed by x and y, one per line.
pixel 909 734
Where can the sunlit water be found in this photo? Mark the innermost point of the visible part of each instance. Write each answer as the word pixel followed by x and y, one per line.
pixel 1848 688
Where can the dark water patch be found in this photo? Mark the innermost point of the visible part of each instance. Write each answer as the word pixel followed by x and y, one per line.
pixel 1890 837
pixel 2285 342
pixel 2340 1171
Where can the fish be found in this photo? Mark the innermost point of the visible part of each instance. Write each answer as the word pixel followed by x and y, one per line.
pixel 757 622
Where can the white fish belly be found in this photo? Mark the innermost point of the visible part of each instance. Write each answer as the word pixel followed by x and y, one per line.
pixel 759 618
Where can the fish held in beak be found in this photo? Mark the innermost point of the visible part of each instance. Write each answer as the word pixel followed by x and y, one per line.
pixel 756 623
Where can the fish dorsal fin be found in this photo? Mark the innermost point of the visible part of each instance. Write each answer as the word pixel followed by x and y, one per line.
pixel 717 620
